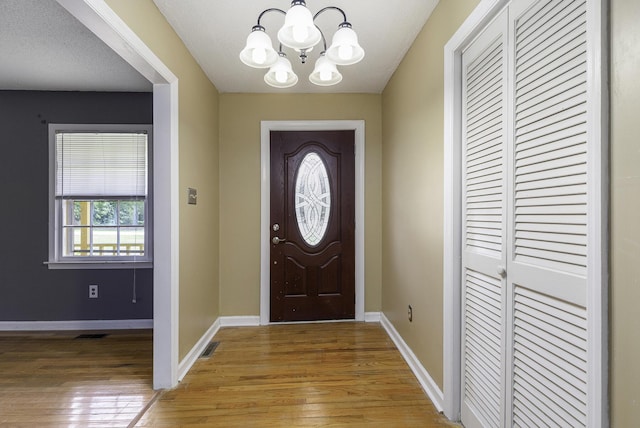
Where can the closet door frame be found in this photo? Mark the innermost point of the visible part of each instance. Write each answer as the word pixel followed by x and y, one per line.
pixel 598 158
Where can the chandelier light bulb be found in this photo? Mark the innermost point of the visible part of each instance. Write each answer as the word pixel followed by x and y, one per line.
pixel 345 52
pixel 259 55
pixel 281 76
pixel 325 75
pixel 300 33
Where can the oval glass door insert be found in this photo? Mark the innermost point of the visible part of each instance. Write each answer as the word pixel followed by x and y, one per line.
pixel 312 199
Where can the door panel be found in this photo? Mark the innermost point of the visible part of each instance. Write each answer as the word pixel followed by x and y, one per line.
pixel 548 217
pixel 484 227
pixel 313 217
pixel 525 218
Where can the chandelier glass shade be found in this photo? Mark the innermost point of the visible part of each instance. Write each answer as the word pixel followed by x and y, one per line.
pixel 344 49
pixel 281 74
pixel 300 33
pixel 259 52
pixel 325 72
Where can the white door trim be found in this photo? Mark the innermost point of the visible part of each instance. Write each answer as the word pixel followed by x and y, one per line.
pixel 98 17
pixel 598 210
pixel 265 173
pixel 597 277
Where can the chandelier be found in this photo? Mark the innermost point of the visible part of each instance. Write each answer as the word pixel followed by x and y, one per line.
pixel 300 33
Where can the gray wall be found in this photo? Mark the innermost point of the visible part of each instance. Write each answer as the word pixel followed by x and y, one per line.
pixel 29 291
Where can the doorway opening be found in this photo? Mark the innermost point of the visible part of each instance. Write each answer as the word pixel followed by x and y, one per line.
pixel 101 20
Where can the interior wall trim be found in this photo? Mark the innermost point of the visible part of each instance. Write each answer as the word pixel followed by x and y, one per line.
pixel 240 321
pixel 192 356
pixel 427 383
pixel 133 324
pixel 98 17
pixel 372 316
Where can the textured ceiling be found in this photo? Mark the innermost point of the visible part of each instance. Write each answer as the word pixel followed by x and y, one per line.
pixel 43 47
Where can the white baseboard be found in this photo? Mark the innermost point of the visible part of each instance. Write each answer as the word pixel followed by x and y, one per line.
pixel 189 360
pixel 237 321
pixel 253 321
pixel 425 380
pixel 240 321
pixel 75 325
pixel 372 316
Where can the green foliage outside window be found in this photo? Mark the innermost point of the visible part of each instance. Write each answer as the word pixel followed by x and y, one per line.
pixel 104 212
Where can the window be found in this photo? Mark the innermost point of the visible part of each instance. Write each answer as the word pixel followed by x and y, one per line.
pixel 100 195
pixel 313 199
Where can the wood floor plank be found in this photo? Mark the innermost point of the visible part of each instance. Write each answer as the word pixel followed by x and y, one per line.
pixel 56 380
pixel 300 375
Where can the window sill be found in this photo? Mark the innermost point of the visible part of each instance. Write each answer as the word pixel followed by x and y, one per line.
pixel 111 264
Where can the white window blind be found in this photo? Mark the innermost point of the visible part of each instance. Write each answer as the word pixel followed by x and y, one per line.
pixel 100 195
pixel 101 164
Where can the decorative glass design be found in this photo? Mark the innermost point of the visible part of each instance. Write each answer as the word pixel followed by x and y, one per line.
pixel 312 199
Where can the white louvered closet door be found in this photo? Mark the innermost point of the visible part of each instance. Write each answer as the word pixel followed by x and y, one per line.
pixel 525 208
pixel 483 222
pixel 547 268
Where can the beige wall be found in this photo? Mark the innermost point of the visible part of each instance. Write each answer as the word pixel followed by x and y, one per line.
pixel 410 220
pixel 625 206
pixel 412 153
pixel 198 148
pixel 240 116
pixel 412 188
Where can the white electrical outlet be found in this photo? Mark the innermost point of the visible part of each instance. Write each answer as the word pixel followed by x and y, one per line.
pixel 93 291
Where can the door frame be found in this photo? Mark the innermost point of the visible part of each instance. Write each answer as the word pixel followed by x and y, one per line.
pixel 266 126
pixel 597 280
pixel 99 18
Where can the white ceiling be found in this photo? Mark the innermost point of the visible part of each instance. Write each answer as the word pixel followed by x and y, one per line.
pixel 42 47
pixel 216 31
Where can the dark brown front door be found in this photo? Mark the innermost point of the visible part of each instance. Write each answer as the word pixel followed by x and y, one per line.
pixel 312 225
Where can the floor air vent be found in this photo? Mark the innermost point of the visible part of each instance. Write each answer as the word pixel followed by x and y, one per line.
pixel 91 336
pixel 209 349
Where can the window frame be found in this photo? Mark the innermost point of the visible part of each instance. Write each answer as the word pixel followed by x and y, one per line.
pixel 57 259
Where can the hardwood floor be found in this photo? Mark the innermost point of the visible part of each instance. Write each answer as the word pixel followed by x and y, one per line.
pixel 304 375
pixel 56 380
